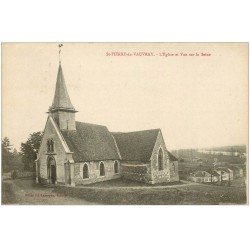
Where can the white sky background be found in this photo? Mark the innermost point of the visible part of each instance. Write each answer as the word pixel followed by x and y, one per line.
pixel 196 101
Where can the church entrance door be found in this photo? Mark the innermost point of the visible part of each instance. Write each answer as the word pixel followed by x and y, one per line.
pixel 53 174
pixel 52 170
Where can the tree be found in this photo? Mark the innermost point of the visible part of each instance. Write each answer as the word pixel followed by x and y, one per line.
pixel 16 160
pixel 6 143
pixel 30 148
pixel 6 155
pixel 10 160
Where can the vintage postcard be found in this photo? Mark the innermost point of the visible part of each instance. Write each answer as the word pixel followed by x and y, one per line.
pixel 124 123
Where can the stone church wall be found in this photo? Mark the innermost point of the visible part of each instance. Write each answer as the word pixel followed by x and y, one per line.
pixel 159 176
pixel 66 120
pixel 150 173
pixel 94 172
pixel 59 154
pixel 174 171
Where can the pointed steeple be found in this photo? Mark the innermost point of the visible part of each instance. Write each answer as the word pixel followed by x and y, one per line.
pixel 61 99
pixel 62 110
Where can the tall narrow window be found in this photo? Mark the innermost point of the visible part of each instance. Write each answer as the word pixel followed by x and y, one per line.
pixel 48 145
pixel 160 159
pixel 85 171
pixel 102 169
pixel 174 167
pixel 52 146
pixel 116 167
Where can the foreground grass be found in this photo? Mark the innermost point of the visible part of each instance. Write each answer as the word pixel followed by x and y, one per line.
pixel 124 193
pixel 194 194
pixel 128 183
pixel 8 194
pixel 27 192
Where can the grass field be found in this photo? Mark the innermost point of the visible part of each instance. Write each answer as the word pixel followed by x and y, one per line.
pixel 119 192
pixel 131 193
pixel 27 192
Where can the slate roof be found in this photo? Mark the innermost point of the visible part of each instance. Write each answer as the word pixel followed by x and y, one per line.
pixel 200 173
pixel 238 168
pixel 172 157
pixel 225 169
pixel 61 98
pixel 136 146
pixel 214 173
pixel 91 142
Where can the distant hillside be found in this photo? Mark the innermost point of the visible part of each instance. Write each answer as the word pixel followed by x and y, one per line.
pixel 237 148
pixel 234 148
pixel 229 154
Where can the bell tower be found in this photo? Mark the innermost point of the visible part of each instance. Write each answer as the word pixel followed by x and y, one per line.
pixel 62 110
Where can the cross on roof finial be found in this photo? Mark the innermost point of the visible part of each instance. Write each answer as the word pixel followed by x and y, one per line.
pixel 59 46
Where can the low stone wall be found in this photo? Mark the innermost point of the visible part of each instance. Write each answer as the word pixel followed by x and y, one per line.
pixel 26 174
pixel 135 173
pixel 18 174
pixel 6 176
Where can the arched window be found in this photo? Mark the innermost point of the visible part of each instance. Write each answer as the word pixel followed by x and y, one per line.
pixel 85 171
pixel 174 167
pixel 50 145
pixel 116 167
pixel 160 159
pixel 102 169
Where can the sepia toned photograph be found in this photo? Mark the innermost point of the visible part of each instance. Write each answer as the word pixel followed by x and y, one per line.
pixel 124 123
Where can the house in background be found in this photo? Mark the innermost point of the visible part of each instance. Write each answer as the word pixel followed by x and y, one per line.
pixel 200 176
pixel 224 175
pixel 237 171
pixel 214 176
pixel 227 173
pixel 78 153
pixel 205 176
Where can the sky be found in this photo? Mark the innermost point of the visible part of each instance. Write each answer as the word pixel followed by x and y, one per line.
pixel 197 101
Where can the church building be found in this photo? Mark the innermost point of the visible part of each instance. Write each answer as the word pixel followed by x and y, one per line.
pixel 78 153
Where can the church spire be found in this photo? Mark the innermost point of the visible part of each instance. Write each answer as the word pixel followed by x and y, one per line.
pixel 62 110
pixel 61 99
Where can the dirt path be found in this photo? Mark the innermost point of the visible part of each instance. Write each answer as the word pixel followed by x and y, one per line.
pixel 26 192
pixel 184 184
